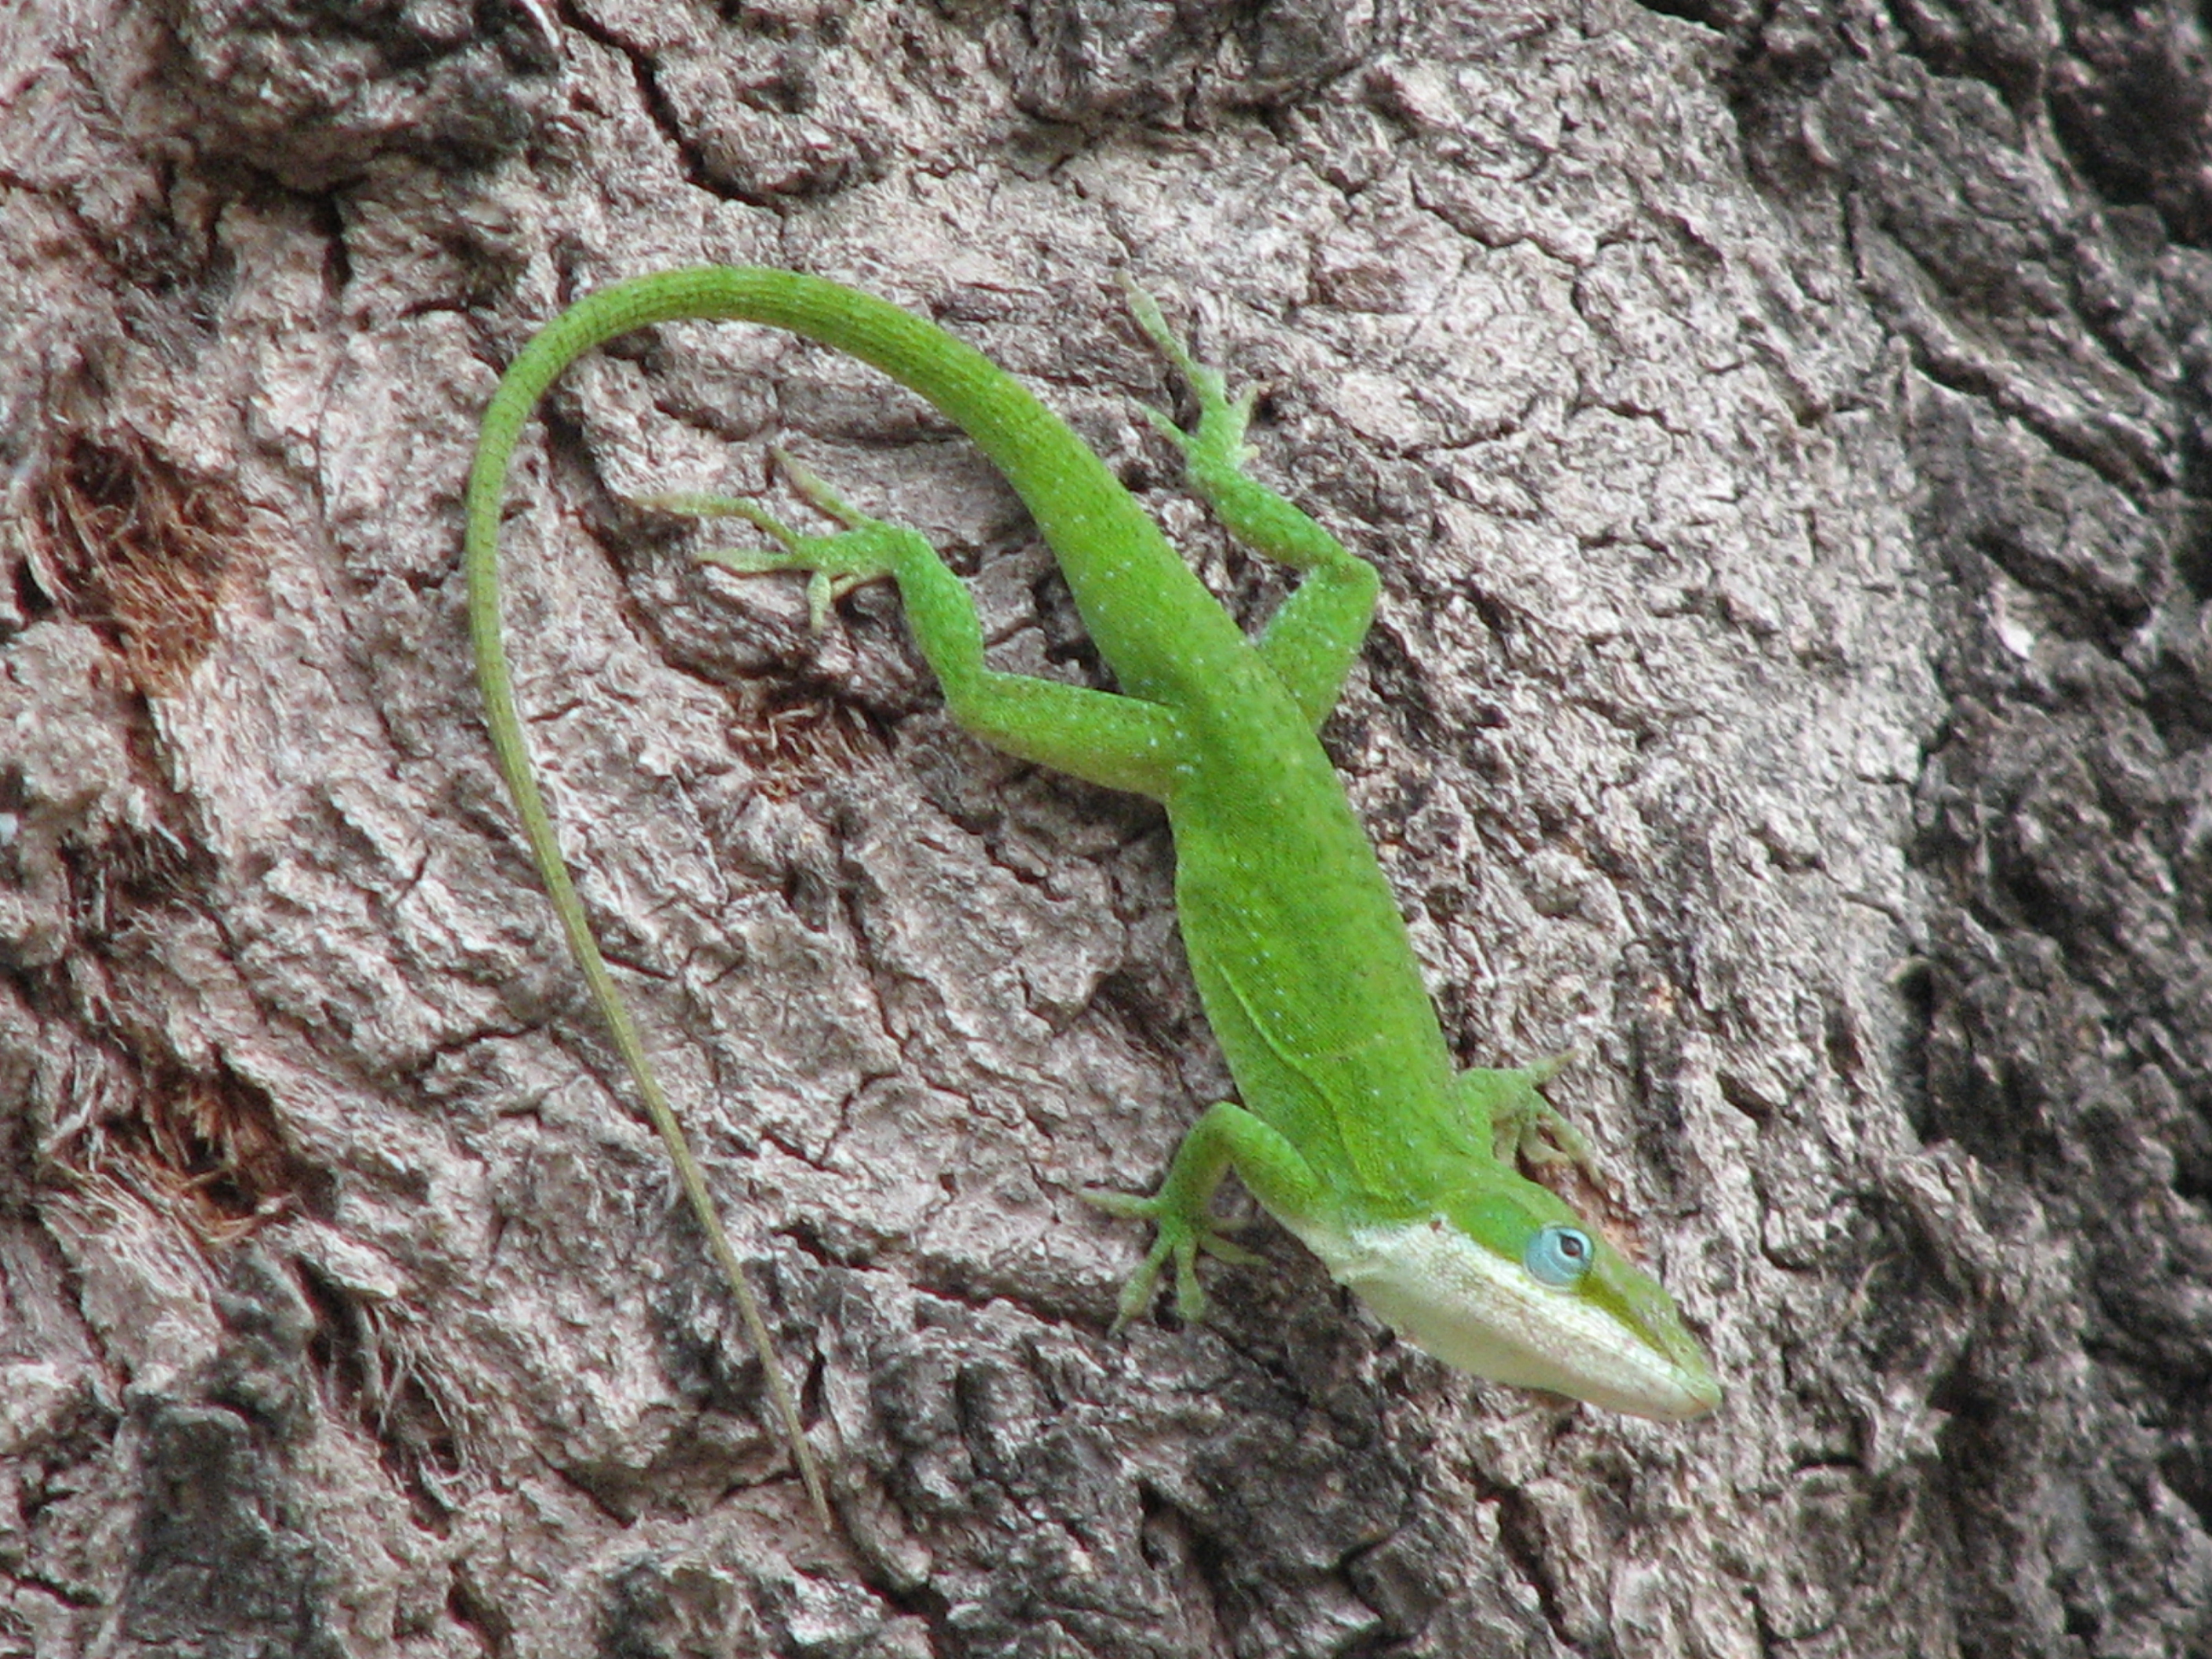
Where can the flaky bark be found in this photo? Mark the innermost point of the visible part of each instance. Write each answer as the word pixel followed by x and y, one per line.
pixel 1778 434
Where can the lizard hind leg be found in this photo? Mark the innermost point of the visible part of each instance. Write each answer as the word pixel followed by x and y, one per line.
pixel 1313 638
pixel 1124 743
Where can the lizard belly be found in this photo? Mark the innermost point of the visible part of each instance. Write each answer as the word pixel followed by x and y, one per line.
pixel 1308 977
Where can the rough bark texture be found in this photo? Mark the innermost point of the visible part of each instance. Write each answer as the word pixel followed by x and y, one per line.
pixel 1782 434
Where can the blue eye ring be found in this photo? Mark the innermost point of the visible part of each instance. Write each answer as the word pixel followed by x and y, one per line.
pixel 1559 1255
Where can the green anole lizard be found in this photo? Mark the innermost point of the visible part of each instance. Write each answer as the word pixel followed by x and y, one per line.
pixel 1355 1130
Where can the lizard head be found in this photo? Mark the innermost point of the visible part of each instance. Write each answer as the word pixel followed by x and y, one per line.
pixel 1506 1281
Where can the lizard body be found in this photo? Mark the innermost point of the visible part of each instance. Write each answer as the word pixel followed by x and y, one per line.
pixel 1355 1128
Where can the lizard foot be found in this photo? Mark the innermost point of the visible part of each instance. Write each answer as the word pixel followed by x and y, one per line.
pixel 1183 1235
pixel 867 550
pixel 1523 1125
pixel 1217 448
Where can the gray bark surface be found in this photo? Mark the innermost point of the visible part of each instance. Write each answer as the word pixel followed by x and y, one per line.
pixel 1782 437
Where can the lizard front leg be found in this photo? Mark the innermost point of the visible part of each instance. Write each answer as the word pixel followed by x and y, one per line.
pixel 1226 1137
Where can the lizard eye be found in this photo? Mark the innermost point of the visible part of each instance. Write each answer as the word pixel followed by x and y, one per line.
pixel 1558 1255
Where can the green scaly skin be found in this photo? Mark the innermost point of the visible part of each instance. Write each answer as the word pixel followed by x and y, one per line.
pixel 1355 1130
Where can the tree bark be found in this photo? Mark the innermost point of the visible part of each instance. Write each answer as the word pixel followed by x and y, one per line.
pixel 1782 437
